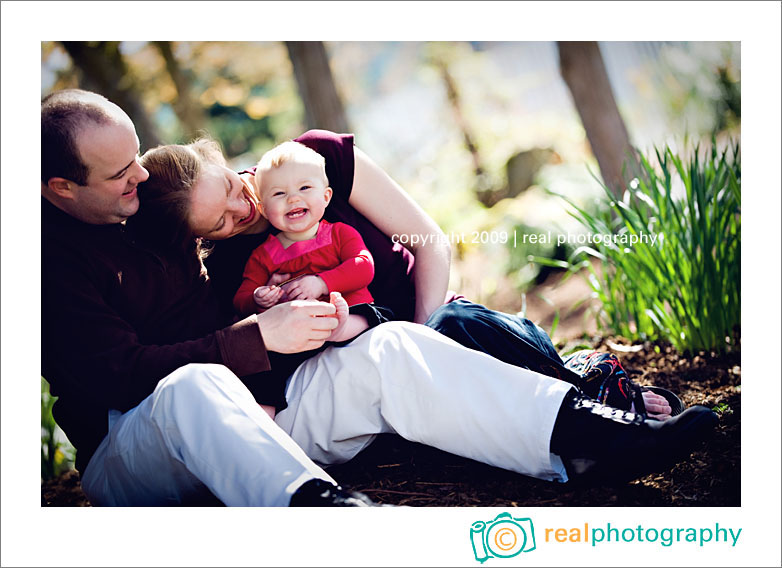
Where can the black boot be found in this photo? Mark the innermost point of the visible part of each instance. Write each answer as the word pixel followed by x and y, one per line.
pixel 321 493
pixel 599 444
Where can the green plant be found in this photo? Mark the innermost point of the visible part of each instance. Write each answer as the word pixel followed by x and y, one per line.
pixel 534 242
pixel 723 408
pixel 57 454
pixel 684 285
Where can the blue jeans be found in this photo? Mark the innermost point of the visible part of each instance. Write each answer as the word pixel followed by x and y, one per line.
pixel 509 338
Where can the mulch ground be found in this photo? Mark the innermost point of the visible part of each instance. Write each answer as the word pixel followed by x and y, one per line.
pixel 393 470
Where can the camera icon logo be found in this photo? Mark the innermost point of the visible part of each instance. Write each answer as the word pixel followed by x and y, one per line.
pixel 504 537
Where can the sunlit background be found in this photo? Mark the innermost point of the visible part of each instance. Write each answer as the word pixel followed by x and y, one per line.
pixel 447 120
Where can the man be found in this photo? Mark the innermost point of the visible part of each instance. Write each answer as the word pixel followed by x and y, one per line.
pixel 123 326
pixel 114 325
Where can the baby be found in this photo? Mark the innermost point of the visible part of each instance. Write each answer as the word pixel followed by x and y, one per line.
pixel 325 261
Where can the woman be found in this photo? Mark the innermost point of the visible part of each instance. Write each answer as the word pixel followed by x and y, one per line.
pixel 402 377
pixel 221 207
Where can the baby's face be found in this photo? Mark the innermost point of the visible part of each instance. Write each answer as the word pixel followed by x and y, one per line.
pixel 293 196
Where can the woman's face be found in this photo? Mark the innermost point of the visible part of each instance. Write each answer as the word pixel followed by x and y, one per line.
pixel 222 204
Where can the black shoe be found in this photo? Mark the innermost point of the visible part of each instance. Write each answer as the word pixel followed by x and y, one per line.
pixel 599 444
pixel 321 493
pixel 602 378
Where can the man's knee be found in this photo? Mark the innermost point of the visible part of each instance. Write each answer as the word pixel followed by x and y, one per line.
pixel 194 379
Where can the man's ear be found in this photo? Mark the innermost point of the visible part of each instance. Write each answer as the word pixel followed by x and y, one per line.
pixel 327 194
pixel 61 187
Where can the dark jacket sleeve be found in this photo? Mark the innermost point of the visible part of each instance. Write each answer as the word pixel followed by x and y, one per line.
pixel 86 338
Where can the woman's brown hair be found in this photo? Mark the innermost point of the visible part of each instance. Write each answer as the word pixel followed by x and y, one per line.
pixel 161 222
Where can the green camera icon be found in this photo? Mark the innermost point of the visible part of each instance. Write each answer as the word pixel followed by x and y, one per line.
pixel 504 537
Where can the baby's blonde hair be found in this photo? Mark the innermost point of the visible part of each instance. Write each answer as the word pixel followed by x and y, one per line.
pixel 291 151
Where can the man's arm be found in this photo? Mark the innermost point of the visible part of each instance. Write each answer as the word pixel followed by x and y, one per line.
pixel 85 336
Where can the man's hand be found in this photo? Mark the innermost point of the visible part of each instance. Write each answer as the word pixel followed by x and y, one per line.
pixel 297 326
pixel 309 287
pixel 267 296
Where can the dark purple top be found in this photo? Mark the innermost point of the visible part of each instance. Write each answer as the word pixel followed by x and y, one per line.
pixel 392 286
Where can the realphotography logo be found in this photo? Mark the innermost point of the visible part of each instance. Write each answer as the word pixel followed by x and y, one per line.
pixel 504 537
pixel 507 536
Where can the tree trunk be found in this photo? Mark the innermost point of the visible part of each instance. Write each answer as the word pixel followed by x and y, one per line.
pixel 456 106
pixel 102 69
pixel 190 114
pixel 484 192
pixel 584 72
pixel 316 86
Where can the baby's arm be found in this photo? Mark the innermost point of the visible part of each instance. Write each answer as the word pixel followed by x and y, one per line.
pixel 255 276
pixel 350 325
pixel 356 268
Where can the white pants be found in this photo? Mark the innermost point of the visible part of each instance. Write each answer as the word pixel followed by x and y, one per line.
pixel 406 378
pixel 200 431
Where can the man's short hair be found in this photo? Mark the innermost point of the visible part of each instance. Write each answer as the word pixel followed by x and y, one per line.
pixel 63 115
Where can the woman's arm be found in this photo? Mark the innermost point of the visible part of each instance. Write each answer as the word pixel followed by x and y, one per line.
pixel 381 200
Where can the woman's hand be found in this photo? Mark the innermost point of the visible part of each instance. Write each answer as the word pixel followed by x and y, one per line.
pixel 656 406
pixel 381 200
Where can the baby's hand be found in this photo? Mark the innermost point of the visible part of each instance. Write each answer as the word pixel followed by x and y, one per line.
pixel 306 288
pixel 278 278
pixel 267 296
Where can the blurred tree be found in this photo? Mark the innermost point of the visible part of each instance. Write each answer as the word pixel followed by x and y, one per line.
pixel 440 56
pixel 322 104
pixel 190 113
pixel 102 69
pixel 728 105
pixel 585 74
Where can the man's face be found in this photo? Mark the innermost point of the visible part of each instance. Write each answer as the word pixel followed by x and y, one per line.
pixel 110 152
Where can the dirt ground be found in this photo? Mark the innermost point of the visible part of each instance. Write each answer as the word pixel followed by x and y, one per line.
pixel 393 470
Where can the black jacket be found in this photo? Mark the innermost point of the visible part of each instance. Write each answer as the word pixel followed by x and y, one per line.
pixel 116 318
